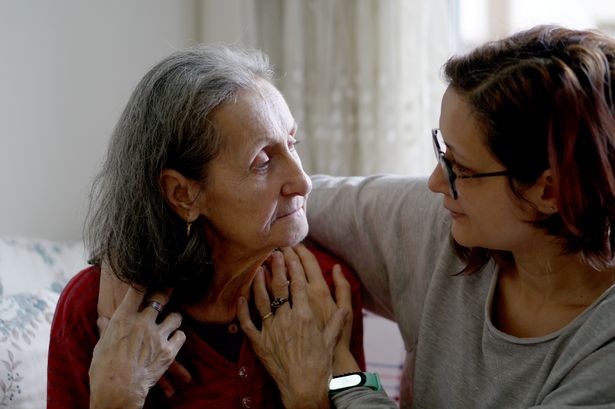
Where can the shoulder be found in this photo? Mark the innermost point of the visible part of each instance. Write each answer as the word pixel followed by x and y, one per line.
pixel 327 260
pixel 77 303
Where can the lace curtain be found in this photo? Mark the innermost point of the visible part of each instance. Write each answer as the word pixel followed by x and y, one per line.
pixel 362 77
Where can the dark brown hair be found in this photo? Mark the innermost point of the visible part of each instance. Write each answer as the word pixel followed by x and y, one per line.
pixel 544 100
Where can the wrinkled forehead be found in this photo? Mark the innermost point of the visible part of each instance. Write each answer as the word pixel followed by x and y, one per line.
pixel 253 113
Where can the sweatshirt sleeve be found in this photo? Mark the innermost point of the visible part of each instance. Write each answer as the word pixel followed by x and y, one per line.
pixel 389 229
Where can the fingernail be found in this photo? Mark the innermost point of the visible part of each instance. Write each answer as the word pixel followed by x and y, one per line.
pixel 241 301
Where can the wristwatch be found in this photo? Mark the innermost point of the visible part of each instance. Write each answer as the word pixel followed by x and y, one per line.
pixel 354 379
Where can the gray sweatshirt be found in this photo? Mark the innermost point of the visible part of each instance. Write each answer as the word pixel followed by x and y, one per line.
pixel 396 236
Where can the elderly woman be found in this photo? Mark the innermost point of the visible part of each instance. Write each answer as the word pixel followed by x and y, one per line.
pixel 201 183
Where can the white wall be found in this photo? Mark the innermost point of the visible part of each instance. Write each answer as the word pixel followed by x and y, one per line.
pixel 67 68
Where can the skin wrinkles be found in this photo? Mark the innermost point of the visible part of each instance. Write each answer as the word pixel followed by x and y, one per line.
pixel 252 195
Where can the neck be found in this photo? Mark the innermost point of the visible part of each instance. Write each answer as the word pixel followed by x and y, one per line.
pixel 233 275
pixel 559 278
pixel 544 290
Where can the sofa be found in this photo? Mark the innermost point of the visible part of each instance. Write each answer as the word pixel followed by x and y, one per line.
pixel 32 275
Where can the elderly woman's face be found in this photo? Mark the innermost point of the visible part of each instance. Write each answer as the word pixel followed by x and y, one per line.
pixel 256 189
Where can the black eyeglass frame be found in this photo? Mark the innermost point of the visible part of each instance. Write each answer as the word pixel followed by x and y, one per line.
pixel 447 166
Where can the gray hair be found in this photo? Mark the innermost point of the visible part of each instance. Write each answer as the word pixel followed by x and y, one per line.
pixel 165 125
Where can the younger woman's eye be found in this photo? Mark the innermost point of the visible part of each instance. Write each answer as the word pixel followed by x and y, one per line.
pixel 460 170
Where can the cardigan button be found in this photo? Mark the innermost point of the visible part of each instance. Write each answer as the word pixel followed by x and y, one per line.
pixel 243 372
pixel 246 402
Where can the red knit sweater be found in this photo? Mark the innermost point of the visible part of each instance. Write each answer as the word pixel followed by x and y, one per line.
pixel 216 382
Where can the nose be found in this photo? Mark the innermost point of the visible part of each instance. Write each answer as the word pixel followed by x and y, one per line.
pixel 297 181
pixel 437 182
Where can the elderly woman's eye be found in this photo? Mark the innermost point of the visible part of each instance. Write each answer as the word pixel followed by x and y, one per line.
pixel 261 162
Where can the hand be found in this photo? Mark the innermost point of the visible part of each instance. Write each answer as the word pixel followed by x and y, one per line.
pixel 112 291
pixel 323 305
pixel 133 352
pixel 296 344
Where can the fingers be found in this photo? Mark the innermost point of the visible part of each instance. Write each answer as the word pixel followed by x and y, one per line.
pixel 166 386
pixel 343 293
pixel 279 278
pixel 334 327
pixel 170 323
pixel 176 342
pixel 131 302
pixel 261 296
pixel 311 267
pixel 180 372
pixel 156 302
pixel 298 283
pixel 102 323
pixel 245 321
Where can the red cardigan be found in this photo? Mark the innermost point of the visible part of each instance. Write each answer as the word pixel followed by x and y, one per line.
pixel 216 382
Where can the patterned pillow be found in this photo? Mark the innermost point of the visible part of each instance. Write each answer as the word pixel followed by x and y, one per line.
pixel 25 323
pixel 30 264
pixel 32 275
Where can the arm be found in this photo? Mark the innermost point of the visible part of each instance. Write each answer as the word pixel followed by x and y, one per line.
pixel 388 229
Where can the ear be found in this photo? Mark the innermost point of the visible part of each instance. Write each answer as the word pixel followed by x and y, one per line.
pixel 181 193
pixel 543 193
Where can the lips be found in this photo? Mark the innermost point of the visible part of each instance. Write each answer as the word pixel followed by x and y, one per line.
pixel 291 210
pixel 453 213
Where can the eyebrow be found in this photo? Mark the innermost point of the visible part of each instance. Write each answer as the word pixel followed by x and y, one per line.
pixel 455 152
pixel 265 140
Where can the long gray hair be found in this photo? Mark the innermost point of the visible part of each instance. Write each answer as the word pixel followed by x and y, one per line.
pixel 165 125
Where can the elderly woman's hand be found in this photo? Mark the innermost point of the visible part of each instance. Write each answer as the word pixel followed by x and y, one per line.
pixel 110 295
pixel 324 306
pixel 296 345
pixel 133 351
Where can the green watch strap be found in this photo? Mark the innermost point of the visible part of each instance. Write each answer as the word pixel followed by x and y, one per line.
pixel 354 379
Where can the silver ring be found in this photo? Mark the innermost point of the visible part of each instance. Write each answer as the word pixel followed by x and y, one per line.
pixel 278 301
pixel 155 305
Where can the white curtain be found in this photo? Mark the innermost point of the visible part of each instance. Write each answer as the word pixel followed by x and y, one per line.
pixel 362 77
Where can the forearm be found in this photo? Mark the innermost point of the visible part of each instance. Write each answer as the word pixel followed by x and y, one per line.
pixel 344 361
pixel 113 400
pixel 362 398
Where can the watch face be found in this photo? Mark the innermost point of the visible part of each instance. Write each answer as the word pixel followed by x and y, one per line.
pixel 346 381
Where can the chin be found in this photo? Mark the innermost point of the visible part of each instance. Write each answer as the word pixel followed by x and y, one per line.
pixel 296 235
pixel 461 238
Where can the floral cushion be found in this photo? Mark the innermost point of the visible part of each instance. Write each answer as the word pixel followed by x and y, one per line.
pixel 32 275
pixel 24 340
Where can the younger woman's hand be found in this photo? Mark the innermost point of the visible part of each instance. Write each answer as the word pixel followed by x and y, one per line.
pixel 133 351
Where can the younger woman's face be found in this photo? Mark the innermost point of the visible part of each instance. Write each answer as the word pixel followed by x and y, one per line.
pixel 486 213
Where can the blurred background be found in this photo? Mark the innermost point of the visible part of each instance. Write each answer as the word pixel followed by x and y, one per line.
pixel 362 78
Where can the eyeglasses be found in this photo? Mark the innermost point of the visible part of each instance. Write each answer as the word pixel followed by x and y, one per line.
pixel 439 148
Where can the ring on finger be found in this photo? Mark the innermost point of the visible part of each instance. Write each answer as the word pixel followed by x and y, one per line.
pixel 278 301
pixel 268 315
pixel 155 305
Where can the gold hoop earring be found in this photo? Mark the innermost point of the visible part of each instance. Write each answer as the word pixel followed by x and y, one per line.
pixel 188 226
